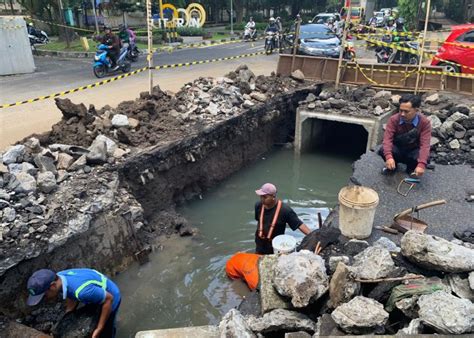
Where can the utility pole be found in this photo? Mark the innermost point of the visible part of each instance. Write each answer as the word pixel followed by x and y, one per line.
pixel 347 24
pixel 231 18
pixel 63 19
pixel 150 43
pixel 95 17
pixel 420 61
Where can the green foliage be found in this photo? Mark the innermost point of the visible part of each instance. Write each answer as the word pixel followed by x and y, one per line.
pixel 454 10
pixel 190 31
pixel 408 9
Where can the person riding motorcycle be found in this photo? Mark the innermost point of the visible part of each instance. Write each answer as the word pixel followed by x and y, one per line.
pixel 123 34
pixel 398 38
pixel 279 24
pixel 331 25
pixel 272 26
pixel 250 29
pixel 113 43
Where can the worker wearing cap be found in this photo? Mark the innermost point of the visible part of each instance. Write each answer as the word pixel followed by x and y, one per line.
pixel 272 216
pixel 78 285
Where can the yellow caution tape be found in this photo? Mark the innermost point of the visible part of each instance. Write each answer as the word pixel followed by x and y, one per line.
pixel 407 74
pixel 103 82
pixel 13 27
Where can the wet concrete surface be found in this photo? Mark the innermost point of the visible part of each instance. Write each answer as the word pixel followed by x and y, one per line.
pixel 450 182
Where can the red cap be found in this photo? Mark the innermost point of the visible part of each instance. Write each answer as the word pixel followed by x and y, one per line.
pixel 266 189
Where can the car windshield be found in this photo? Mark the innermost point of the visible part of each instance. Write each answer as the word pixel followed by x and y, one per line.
pixel 316 32
pixel 323 18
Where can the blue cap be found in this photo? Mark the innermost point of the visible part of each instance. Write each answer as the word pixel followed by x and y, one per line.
pixel 38 284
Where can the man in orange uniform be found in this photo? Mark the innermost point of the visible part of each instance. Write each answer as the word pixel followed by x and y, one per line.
pixel 244 266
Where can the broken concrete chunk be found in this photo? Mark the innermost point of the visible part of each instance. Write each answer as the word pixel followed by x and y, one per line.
pixel 301 276
pixel 14 154
pixel 258 96
pixel 432 99
pixel 133 123
pixel 373 263
pixel 297 75
pixel 436 253
pixel 110 144
pixel 233 325
pixel 334 261
pixel 355 246
pixel 415 327
pixel 361 315
pixel 22 183
pixel 79 164
pixel 46 182
pixel 120 120
pixel 460 286
pixel 435 121
pixel 409 306
pixel 97 152
pixel 342 286
pixel 64 161
pixel 269 297
pixel 281 320
pixel 383 94
pixel 384 242
pixel 45 163
pixel 15 168
pixel 446 313
pixel 471 280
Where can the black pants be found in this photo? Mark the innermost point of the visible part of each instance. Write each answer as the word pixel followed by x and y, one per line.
pixel 109 330
pixel 113 55
pixel 401 155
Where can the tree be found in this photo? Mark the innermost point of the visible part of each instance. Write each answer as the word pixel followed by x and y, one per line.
pixel 408 9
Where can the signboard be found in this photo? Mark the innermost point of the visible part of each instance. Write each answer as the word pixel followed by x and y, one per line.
pixel 193 16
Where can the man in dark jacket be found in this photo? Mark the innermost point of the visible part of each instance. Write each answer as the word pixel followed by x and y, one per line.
pixel 407 138
pixel 111 40
pixel 272 216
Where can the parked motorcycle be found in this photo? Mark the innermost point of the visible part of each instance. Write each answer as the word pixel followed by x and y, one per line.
pixel 388 55
pixel 102 64
pixel 271 42
pixel 250 34
pixel 37 36
pixel 349 50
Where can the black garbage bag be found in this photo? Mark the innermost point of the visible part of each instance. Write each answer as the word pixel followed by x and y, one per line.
pixel 79 323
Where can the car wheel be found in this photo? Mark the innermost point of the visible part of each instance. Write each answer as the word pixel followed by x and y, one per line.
pixel 450 68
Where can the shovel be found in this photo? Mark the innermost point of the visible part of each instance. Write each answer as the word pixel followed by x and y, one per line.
pixel 404 221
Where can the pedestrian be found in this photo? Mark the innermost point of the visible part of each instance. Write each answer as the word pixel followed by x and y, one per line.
pixel 272 216
pixel 407 138
pixel 78 286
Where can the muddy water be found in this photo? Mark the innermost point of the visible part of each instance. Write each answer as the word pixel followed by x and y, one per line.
pixel 185 283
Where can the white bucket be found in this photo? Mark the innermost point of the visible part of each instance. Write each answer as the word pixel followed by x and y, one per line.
pixel 283 244
pixel 357 211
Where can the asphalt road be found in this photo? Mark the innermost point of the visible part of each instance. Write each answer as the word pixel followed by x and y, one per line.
pixel 58 74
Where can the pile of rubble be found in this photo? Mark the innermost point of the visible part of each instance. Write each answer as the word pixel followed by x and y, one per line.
pixel 424 286
pixel 451 116
pixel 163 116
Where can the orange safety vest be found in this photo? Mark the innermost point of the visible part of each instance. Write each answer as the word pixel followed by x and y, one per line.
pixel 244 266
pixel 272 226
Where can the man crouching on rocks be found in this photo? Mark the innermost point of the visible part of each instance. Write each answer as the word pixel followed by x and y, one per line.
pixel 407 138
pixel 78 285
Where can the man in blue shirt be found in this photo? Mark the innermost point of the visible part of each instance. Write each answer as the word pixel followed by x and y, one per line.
pixel 78 285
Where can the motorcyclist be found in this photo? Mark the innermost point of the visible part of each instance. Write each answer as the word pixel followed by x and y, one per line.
pixel 272 26
pixel 279 24
pixel 331 25
pixel 250 28
pixel 398 38
pixel 123 34
pixel 113 43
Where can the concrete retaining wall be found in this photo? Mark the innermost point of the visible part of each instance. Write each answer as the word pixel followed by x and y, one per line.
pixel 15 51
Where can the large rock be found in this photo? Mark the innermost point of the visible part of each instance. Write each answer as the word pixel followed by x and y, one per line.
pixel 435 121
pixel 15 168
pixel 360 315
pixel 281 320
pixel 432 99
pixel 342 286
pixel 22 183
pixel 297 75
pixel 471 280
pixel 270 299
pixel 456 117
pixel 460 286
pixel 97 152
pixel 446 313
pixel 436 253
pixel 46 182
pixel 233 325
pixel 384 242
pixel 373 263
pixel 415 327
pixel 45 163
pixel 64 161
pixel 334 261
pixel 301 276
pixel 14 154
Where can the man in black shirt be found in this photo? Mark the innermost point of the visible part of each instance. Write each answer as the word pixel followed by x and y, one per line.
pixel 272 216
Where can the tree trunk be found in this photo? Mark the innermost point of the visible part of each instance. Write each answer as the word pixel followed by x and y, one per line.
pixel 239 10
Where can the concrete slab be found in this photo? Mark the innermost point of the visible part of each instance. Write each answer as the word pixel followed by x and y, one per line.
pixel 208 331
pixel 270 299
pixel 449 182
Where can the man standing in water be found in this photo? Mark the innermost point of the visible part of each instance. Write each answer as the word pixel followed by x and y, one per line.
pixel 272 216
pixel 78 285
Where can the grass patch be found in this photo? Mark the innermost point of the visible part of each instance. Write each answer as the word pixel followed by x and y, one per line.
pixel 218 36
